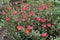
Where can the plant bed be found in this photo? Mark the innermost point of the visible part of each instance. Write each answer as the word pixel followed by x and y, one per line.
pixel 33 20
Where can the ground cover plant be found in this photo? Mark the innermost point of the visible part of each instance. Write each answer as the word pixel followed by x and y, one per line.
pixel 31 20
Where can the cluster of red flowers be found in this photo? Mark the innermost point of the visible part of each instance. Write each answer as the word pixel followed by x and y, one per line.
pixel 44 6
pixel 25 16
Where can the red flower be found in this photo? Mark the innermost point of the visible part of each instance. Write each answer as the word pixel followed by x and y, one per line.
pixel 19 28
pixel 17 7
pixel 24 16
pixel 16 19
pixel 43 20
pixel 31 14
pixel 38 18
pixel 23 20
pixel 3 13
pixel 25 8
pixel 7 19
pixel 40 8
pixel 43 26
pixel 29 27
pixel 14 12
pixel 8 8
pixel 44 34
pixel 49 25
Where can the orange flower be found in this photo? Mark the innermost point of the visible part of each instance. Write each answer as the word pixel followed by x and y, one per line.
pixel 27 31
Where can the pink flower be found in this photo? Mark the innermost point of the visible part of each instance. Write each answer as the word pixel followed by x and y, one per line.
pixel 38 18
pixel 49 25
pixel 43 20
pixel 14 12
pixel 7 19
pixel 49 3
pixel 43 26
pixel 44 34
pixel 31 4
pixel 31 14
pixel 14 3
pixel 22 12
pixel 16 19
pixel 3 13
pixel 29 27
pixel 45 6
pixel 40 8
pixel 24 16
pixel 8 8
pixel 19 28
pixel 23 20
pixel 23 3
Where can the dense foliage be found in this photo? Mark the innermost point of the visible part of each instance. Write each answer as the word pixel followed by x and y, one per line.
pixel 33 20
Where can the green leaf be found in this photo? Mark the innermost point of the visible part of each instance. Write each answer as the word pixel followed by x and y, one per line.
pixel 30 1
pixel 1 24
pixel 6 1
pixel 43 39
pixel 57 38
pixel 57 1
